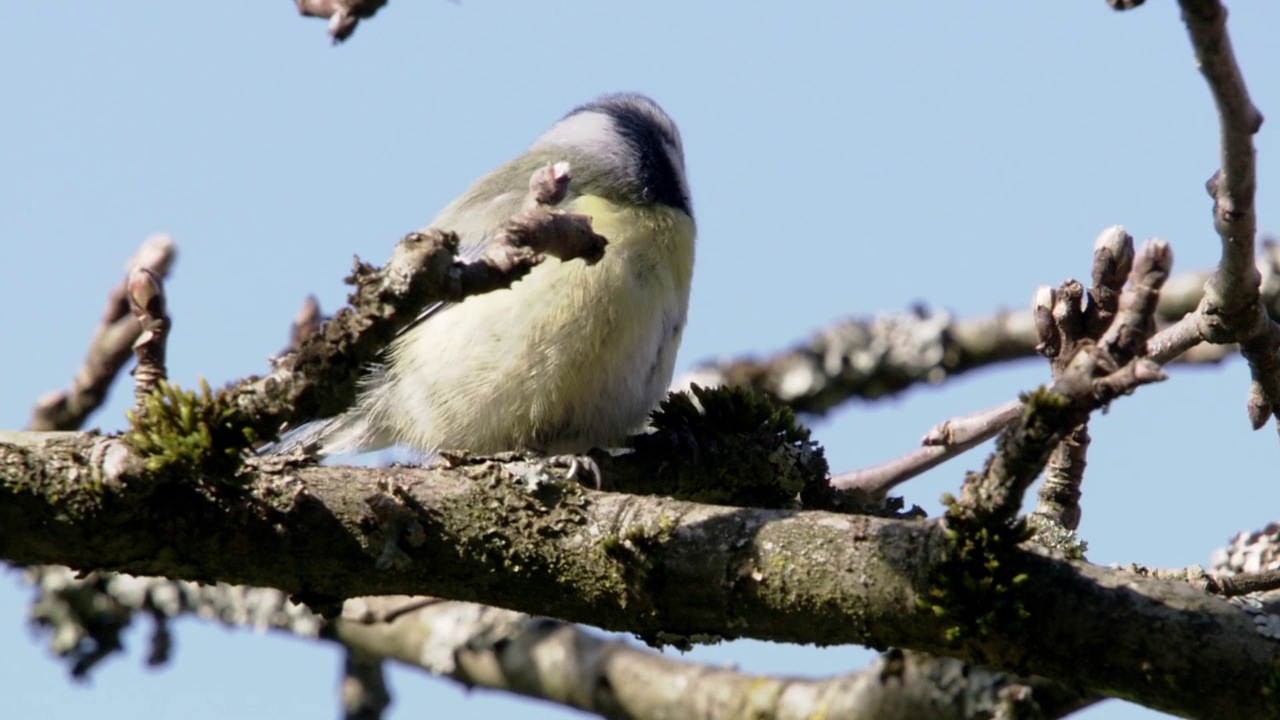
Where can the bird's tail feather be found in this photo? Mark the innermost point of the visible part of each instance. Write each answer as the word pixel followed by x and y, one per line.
pixel 354 431
pixel 350 432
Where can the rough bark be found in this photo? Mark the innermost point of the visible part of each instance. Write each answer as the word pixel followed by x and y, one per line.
pixel 512 535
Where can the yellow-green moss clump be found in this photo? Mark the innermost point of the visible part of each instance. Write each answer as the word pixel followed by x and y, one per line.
pixel 184 433
pixel 978 586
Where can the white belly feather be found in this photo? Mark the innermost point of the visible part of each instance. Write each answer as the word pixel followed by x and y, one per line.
pixel 571 357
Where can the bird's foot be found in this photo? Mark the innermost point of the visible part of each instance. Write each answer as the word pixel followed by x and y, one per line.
pixel 582 468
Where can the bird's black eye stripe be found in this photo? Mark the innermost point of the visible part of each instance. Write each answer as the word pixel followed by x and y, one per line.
pixel 650 141
pixel 655 172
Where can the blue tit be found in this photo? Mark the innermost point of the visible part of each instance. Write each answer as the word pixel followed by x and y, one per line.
pixel 573 356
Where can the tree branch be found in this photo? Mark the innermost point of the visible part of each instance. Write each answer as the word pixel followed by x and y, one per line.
pixel 343 15
pixel 870 358
pixel 1232 309
pixel 501 650
pixel 364 687
pixel 109 349
pixel 147 301
pixel 947 440
pixel 320 378
pixel 477 533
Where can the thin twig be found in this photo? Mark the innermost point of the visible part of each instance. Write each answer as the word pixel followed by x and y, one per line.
pixel 994 496
pixel 343 15
pixel 1135 320
pixel 1059 496
pixel 1066 325
pixel 1096 350
pixel 1232 310
pixel 1245 583
pixel 109 349
pixel 948 439
pixel 306 323
pixel 1176 339
pixel 147 301
pixel 364 687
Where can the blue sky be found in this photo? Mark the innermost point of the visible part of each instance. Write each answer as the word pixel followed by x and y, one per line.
pixel 845 159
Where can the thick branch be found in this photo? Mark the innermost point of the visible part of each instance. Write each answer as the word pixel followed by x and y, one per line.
pixel 656 567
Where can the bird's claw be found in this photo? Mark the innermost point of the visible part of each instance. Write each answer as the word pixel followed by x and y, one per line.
pixel 582 468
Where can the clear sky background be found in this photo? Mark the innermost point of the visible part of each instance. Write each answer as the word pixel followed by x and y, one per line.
pixel 845 159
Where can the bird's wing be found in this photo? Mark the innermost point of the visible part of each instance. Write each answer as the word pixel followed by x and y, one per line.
pixel 480 213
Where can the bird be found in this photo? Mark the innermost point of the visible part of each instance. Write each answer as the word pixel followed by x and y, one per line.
pixel 574 356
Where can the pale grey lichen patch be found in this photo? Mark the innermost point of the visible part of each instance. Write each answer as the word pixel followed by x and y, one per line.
pixel 445 639
pixel 1250 553
pixel 111 456
pixel 531 475
pixel 85 616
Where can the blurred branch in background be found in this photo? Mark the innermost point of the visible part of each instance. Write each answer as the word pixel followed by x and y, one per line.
pixel 485 647
pixel 875 357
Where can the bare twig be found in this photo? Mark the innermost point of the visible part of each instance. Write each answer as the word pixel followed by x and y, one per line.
pixel 547 186
pixel 1112 264
pixel 1067 329
pixel 1065 324
pixel 147 300
pixel 967 428
pixel 1119 319
pixel 1176 339
pixel 1183 340
pixel 1245 583
pixel 306 323
pixel 343 15
pixel 943 442
pixel 1059 496
pixel 1097 353
pixel 540 230
pixel 994 496
pixel 1135 320
pixel 109 350
pixel 1232 309
pixel 364 687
